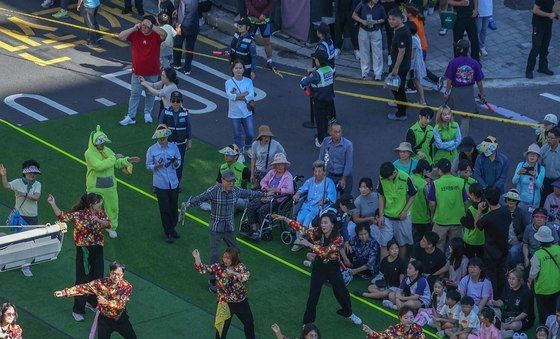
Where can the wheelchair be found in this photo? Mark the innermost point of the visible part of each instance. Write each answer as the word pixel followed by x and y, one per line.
pixel 266 226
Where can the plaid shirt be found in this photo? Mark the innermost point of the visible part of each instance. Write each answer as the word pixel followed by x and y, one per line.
pixel 117 295
pixel 223 205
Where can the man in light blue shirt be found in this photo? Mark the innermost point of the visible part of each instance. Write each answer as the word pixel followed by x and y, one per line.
pixel 340 158
pixel 550 159
pixel 163 159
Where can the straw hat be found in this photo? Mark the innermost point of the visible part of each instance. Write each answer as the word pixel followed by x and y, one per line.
pixel 533 148
pixel 264 131
pixel 404 146
pixel 280 158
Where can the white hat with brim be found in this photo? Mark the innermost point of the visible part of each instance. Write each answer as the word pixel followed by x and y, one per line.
pixel 533 148
pixel 280 158
pixel 404 146
pixel 512 194
pixel 161 133
pixel 31 169
pixel 544 234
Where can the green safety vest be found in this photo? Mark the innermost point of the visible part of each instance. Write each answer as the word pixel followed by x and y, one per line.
pixel 237 169
pixel 449 199
pixel 547 282
pixel 424 140
pixel 395 193
pixel 468 182
pixel 419 211
pixel 474 237
pixel 326 74
pixel 447 134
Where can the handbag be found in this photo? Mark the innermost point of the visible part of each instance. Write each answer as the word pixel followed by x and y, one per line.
pixel 250 104
pixel 15 219
pixel 448 18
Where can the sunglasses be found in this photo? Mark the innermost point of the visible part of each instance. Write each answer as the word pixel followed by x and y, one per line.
pixel 176 101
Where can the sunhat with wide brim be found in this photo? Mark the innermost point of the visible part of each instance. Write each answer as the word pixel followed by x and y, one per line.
pixel 161 132
pixel 280 158
pixel 533 148
pixel 404 146
pixel 544 234
pixel 264 131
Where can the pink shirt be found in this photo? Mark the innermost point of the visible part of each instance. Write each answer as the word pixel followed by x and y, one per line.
pixel 286 184
pixel 489 332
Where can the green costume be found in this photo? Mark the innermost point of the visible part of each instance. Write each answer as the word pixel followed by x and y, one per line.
pixel 100 176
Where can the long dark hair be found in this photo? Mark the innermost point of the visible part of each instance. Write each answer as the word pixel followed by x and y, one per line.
pixel 171 74
pixel 458 249
pixel 235 62
pixel 233 255
pixel 5 307
pixel 490 314
pixel 434 302
pixel 309 328
pixel 335 230
pixel 86 201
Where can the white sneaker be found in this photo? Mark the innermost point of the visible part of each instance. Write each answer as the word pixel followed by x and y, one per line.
pixel 90 307
pixel 355 319
pixel 483 51
pixel 307 263
pixel 26 271
pixel 112 234
pixel 78 317
pixel 389 304
pixel 442 31
pixel 47 3
pixel 336 52
pixel 148 118
pixel 205 206
pixel 391 104
pixel 127 121
pixel 357 54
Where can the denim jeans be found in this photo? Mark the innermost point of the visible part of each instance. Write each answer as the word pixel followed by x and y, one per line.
pixel 90 19
pixel 135 94
pixel 482 30
pixel 241 125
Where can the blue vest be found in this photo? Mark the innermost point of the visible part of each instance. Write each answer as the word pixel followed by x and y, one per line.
pixel 177 122
pixel 240 48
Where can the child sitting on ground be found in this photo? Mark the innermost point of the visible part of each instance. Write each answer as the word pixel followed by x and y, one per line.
pixel 489 325
pixel 427 315
pixel 469 324
pixel 448 319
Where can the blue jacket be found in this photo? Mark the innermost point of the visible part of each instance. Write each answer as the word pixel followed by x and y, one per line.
pixel 529 186
pixel 500 174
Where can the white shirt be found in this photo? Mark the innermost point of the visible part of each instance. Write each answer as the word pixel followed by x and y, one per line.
pixel 238 108
pixel 485 8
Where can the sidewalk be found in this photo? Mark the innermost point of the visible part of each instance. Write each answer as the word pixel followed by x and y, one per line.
pixel 508 47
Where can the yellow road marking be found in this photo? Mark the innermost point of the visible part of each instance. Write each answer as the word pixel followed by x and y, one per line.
pixel 19 37
pixel 210 42
pixel 65 45
pixel 114 22
pixel 118 3
pixel 42 62
pixel 11 48
pixel 27 26
pixel 55 37
pixel 117 12
pixel 103 28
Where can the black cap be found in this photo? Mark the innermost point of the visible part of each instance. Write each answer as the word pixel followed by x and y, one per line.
pixel 321 55
pixel 244 21
pixel 386 170
pixel 177 95
pixel 444 165
pixel 324 29
pixel 467 144
pixel 540 210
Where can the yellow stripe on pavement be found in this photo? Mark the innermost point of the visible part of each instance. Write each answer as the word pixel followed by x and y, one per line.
pixel 11 48
pixel 42 62
pixel 19 36
pixel 210 42
pixel 114 22
pixel 27 26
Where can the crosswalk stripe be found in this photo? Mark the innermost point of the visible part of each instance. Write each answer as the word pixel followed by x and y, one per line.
pixel 551 96
pixel 105 102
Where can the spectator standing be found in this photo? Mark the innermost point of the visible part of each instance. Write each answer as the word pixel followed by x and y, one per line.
pixel 89 9
pixel 344 26
pixel 495 224
pixel 529 177
pixel 139 4
pixel 145 40
pixel 545 273
pixel 405 162
pixel 263 151
pixel 259 11
pixel 485 17
pixel 553 322
pixel 178 121
pixel 520 219
pixel 420 210
pixel 8 322
pixel 550 159
pixel 163 159
pixel 447 135
pixel 222 198
pixel 187 28
pixel 421 135
pixel 396 195
pixel 467 151
pixel 240 93
pixel 464 171
pixel 467 12
pixel 530 244
pixel 552 203
pixel 371 15
pixel 472 235
pixel 27 190
pixel 550 121
pixel 163 88
pixel 338 153
pixel 542 32
pixel 490 168
pixel 446 196
pixel 167 7
pixel 388 5
pixel 325 44
pixel 418 67
pixel 166 49
pixel 242 47
pixel 401 54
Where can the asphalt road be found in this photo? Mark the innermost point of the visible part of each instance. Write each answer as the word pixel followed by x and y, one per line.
pixel 72 75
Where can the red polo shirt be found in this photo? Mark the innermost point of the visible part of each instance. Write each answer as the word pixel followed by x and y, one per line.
pixel 145 53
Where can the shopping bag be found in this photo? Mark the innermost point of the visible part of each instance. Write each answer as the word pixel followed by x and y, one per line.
pixel 448 18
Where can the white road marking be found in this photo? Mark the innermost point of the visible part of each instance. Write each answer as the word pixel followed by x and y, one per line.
pixel 105 102
pixel 550 96
pixel 11 101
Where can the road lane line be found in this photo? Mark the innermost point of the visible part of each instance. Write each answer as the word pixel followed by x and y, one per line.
pixel 550 96
pixel 11 101
pixel 42 62
pixel 105 102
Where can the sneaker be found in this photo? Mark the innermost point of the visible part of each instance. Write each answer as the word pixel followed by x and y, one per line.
pixel 411 91
pixel 270 64
pixel 90 307
pixel 442 31
pixel 62 14
pixel 364 77
pixel 177 68
pixel 307 263
pixel 336 52
pixel 507 334
pixel 357 54
pixel 355 319
pixel 519 335
pixel 483 51
pixel 441 334
pixel 393 116
pixel 529 74
pixel 440 83
pixel 391 104
pixel 359 292
pixel 296 248
pixel 545 71
pixel 127 121
pixel 169 239
pixel 112 234
pixel 492 25
pixel 78 317
pixel 47 3
pixel 26 271
pixel 389 304
pixel 205 206
pixel 148 118
pixel 256 236
pixel 317 143
pixel 175 235
pixel 185 72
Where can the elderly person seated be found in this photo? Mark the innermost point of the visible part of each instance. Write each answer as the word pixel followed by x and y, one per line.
pixel 278 181
pixel 320 192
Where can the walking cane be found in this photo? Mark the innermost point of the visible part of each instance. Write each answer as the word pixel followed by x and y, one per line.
pixel 183 210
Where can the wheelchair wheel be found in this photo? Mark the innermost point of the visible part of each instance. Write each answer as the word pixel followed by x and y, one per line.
pixel 287 237
pixel 245 227
pixel 267 236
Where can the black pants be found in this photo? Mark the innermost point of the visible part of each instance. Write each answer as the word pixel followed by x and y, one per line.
pixel 31 220
pixel 472 251
pixel 243 312
pixel 167 202
pixel 324 112
pixel 87 271
pixel 241 8
pixel 547 189
pixel 400 95
pixel 182 149
pixel 90 19
pixel 320 273
pixel 106 326
pixel 184 41
pixel 546 305
pixel 496 271
pixel 139 4
pixel 469 25
pixel 257 210
pixel 344 27
pixel 542 32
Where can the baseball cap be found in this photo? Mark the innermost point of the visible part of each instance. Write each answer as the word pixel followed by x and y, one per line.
pixel 444 165
pixel 244 21
pixel 550 119
pixel 177 95
pixel 228 175
pixel 323 28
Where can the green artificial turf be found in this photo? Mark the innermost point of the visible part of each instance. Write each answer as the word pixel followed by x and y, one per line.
pixel 169 298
